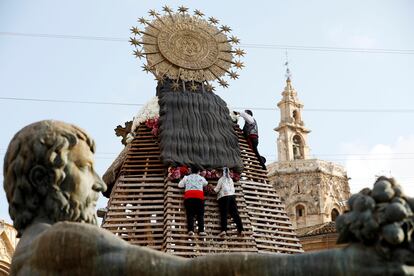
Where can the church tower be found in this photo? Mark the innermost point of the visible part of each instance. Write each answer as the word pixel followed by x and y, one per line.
pixel 292 140
pixel 314 191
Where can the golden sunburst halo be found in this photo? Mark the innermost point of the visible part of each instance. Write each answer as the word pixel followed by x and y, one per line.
pixel 181 46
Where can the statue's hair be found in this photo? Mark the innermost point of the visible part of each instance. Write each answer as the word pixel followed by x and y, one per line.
pixel 43 145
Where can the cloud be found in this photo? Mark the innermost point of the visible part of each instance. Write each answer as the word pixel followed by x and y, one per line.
pixel 365 163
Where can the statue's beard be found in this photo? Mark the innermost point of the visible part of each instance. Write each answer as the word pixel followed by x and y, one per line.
pixel 60 206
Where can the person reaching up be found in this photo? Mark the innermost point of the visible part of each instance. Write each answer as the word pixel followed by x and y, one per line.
pixel 251 133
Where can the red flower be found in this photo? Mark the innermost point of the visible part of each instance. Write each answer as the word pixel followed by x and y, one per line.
pixel 176 174
pixel 149 123
pixel 184 170
pixel 235 176
pixel 208 189
pixel 173 173
pixel 208 174
pixel 153 125
pixel 154 131
pixel 214 174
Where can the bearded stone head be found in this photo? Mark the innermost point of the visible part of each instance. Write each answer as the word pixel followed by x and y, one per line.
pixel 49 175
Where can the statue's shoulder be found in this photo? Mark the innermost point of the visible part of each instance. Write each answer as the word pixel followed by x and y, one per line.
pixel 69 229
pixel 78 230
pixel 62 245
pixel 76 238
pixel 72 226
pixel 83 234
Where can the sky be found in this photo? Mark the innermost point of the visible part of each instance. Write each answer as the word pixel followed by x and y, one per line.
pixel 358 104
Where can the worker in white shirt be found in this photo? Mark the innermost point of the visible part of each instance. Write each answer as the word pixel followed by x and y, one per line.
pixel 227 202
pixel 194 200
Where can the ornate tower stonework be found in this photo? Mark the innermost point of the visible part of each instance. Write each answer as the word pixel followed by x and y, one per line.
pixel 8 242
pixel 314 191
pixel 292 141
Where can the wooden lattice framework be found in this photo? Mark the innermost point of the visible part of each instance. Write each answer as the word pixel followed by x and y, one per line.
pixel 146 209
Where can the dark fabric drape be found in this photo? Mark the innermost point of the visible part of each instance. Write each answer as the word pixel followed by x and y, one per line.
pixel 196 130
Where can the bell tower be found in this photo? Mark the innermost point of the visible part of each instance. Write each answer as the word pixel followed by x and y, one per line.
pixel 314 191
pixel 292 141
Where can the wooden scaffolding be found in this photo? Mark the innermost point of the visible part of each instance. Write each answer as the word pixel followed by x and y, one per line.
pixel 147 209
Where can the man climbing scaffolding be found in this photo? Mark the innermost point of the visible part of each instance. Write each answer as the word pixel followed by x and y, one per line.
pixel 251 132
pixel 194 200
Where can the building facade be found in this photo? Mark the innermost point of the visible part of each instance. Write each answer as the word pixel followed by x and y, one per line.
pixel 8 242
pixel 314 191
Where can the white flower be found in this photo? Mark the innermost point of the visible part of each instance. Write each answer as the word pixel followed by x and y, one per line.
pixel 148 111
pixel 234 117
pixel 130 137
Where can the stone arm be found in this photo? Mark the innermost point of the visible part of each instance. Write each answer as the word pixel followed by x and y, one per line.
pixel 353 260
pixel 80 249
pixel 83 249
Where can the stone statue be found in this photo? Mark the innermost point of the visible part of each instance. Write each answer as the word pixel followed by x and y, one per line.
pixel 52 188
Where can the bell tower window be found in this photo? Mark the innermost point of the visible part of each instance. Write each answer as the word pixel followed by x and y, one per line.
pixel 300 211
pixel 296 116
pixel 334 214
pixel 297 147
